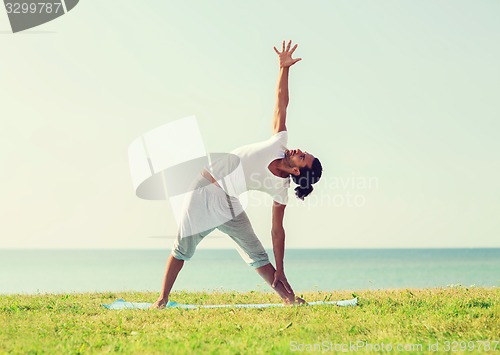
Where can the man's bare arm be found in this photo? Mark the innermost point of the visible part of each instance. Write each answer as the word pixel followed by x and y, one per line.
pixel 278 237
pixel 282 98
pixel 279 122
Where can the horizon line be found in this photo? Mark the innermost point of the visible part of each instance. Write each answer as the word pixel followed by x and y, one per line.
pixel 291 248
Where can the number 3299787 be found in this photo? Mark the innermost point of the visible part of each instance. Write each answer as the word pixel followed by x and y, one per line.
pixel 33 7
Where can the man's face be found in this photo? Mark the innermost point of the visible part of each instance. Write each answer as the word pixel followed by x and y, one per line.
pixel 299 159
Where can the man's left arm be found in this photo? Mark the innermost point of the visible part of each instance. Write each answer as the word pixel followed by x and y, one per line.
pixel 282 97
pixel 278 236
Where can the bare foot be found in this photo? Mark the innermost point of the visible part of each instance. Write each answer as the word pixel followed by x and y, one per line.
pixel 291 302
pixel 159 304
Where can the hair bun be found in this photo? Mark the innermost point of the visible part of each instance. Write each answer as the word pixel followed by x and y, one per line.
pixel 302 192
pixel 306 178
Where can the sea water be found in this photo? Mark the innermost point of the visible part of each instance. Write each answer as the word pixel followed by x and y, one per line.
pixel 64 271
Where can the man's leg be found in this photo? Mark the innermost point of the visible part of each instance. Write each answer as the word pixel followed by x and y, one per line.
pixel 173 267
pixel 267 273
pixel 196 217
pixel 251 250
pixel 183 249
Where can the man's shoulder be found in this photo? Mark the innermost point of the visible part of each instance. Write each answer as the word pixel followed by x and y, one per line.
pixel 281 136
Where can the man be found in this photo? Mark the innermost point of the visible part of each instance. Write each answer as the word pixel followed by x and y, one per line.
pixel 265 166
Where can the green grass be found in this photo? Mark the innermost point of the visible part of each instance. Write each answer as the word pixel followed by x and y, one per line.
pixel 77 323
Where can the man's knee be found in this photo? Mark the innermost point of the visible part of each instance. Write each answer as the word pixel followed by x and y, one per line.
pixel 183 252
pixel 258 260
pixel 181 256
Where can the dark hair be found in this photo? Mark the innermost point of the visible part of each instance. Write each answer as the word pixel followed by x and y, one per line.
pixel 307 177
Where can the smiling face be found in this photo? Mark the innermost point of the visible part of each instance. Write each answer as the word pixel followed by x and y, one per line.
pixel 298 159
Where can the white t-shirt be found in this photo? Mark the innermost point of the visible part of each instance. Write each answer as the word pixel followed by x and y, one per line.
pixel 247 168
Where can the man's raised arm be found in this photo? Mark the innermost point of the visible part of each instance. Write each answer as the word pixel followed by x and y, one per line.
pixel 286 61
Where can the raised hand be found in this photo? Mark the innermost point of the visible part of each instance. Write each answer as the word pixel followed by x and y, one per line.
pixel 285 56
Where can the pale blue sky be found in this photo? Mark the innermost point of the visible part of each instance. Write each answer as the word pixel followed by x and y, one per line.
pixel 402 94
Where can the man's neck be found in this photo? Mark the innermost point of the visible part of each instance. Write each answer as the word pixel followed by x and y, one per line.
pixel 282 167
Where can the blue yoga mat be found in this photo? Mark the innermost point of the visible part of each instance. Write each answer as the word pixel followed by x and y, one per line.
pixel 122 304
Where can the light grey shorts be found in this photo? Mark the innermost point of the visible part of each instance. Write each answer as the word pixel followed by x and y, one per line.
pixel 209 208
